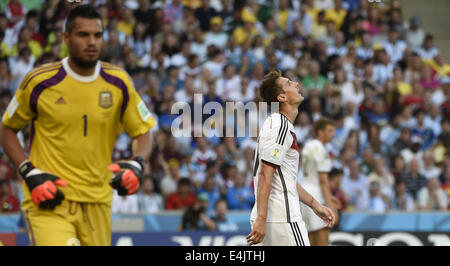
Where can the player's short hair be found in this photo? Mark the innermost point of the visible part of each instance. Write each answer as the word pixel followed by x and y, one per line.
pixel 269 88
pixel 184 181
pixel 322 123
pixel 81 11
pixel 335 172
pixel 32 14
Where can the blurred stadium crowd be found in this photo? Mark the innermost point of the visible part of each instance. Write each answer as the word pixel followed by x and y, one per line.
pixel 376 73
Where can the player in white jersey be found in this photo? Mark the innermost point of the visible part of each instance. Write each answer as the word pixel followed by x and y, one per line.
pixel 316 164
pixel 276 218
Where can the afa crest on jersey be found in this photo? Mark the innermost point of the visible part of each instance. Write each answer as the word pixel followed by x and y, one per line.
pixel 105 99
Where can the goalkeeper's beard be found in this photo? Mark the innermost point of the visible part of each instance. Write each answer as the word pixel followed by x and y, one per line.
pixel 86 64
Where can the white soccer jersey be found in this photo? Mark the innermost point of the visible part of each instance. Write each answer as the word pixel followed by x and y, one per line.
pixel 315 159
pixel 277 145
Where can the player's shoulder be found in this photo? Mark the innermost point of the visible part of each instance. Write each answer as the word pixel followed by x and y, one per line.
pixel 276 121
pixel 312 141
pixel 114 70
pixel 112 73
pixel 276 125
pixel 314 144
pixel 40 73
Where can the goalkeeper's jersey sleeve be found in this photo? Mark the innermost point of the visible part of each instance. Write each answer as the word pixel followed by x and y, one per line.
pixel 74 121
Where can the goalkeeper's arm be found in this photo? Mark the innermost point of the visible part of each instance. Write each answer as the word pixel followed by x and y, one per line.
pixel 42 185
pixel 142 145
pixel 128 173
pixel 11 145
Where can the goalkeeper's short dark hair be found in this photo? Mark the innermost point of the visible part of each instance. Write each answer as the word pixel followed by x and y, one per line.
pixel 81 11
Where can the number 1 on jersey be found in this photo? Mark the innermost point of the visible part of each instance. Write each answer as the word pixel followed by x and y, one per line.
pixel 85 124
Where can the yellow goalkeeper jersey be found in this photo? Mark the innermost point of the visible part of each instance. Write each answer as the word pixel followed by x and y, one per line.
pixel 74 124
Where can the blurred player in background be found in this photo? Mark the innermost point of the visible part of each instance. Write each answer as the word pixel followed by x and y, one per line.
pixel 316 164
pixel 276 218
pixel 76 107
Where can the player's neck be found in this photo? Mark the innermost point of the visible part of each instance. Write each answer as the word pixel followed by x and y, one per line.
pixel 322 140
pixel 290 112
pixel 82 71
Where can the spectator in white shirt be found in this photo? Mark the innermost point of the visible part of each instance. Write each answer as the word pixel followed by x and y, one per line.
pixel 256 77
pixel 216 36
pixel 383 33
pixel 124 204
pixel 414 35
pixel 188 92
pixel 139 42
pixel 406 117
pixel 413 151
pixel 305 20
pixel 339 47
pixel 148 200
pixel 353 93
pixel 390 133
pixel 438 95
pixel 180 59
pixel 429 169
pixel 198 46
pixel 229 85
pixel 10 34
pixel 289 60
pixel 324 4
pixel 433 119
pixel 383 69
pixel 355 185
pixel 191 68
pixel 21 67
pixel 344 86
pixel 351 120
pixel 432 197
pixel 329 36
pixel 202 153
pixel 376 202
pixel 246 93
pixel 394 46
pixel 402 200
pixel 365 51
pixel 216 63
pixel 428 51
pixel 383 178
pixel 169 183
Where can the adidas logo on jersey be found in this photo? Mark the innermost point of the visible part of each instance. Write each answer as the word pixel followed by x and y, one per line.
pixel 60 101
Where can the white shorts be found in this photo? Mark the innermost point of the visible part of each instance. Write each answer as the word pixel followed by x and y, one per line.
pixel 312 221
pixel 285 234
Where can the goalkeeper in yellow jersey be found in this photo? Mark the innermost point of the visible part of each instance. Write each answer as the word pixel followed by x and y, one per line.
pixel 76 108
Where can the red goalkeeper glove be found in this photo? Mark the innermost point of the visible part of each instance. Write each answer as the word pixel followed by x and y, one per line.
pixel 127 175
pixel 42 186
